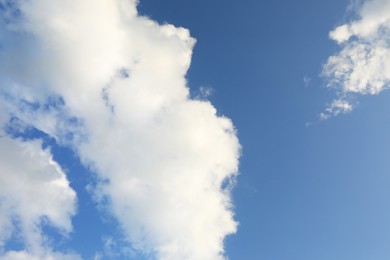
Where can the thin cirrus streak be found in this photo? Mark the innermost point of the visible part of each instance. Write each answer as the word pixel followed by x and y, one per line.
pixel 109 83
pixel 363 64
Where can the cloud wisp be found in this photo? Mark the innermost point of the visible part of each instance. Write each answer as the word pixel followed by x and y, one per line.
pixel 363 65
pixel 109 83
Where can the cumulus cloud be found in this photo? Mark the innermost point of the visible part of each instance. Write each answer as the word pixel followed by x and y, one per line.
pixel 363 64
pixel 34 191
pixel 165 162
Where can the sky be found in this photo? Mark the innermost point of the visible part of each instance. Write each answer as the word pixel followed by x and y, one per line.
pixel 199 130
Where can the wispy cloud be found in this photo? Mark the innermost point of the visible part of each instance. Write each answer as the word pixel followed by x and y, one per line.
pixel 363 64
pixel 163 159
pixel 306 80
pixel 338 106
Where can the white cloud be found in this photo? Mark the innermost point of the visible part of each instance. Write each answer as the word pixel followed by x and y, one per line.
pixel 363 64
pixel 33 191
pixel 338 106
pixel 373 16
pixel 162 158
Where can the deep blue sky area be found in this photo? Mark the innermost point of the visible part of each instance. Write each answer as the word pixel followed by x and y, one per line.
pixel 308 189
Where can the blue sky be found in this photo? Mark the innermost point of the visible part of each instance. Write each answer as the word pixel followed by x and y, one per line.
pixel 142 165
pixel 317 192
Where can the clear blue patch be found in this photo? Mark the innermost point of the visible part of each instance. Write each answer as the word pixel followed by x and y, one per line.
pixel 16 128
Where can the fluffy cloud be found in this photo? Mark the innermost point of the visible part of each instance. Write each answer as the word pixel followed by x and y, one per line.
pixel 33 191
pixel 165 163
pixel 363 64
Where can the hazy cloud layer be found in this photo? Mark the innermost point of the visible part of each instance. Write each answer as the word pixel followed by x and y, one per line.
pixel 111 84
pixel 363 64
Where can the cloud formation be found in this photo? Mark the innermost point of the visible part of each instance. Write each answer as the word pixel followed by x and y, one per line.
pixel 363 64
pixel 34 191
pixel 111 84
